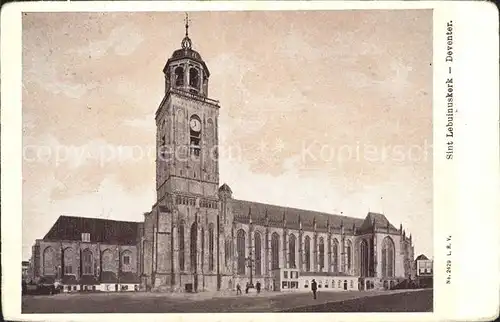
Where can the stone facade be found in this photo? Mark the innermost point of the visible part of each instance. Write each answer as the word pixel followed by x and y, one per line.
pixel 83 253
pixel 198 237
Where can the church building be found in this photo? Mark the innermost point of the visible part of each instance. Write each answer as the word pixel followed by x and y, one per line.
pixel 199 237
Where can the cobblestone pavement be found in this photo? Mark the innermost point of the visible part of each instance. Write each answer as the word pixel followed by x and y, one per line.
pixel 205 302
pixel 421 301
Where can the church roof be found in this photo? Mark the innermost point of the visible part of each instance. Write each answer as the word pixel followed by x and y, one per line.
pixel 100 230
pixel 225 188
pixel 186 51
pixel 277 215
pixel 379 220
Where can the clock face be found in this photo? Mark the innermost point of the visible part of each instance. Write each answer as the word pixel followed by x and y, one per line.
pixel 195 125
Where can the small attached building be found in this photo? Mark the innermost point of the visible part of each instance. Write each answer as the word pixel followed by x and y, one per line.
pixel 292 280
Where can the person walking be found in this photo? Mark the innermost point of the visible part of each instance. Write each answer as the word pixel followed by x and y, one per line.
pixel 238 289
pixel 314 288
pixel 257 286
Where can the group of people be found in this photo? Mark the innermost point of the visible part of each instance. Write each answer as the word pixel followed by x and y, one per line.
pixel 248 286
pixel 314 288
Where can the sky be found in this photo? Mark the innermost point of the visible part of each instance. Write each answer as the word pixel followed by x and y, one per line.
pixel 321 110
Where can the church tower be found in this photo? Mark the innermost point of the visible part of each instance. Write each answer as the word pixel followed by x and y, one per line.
pixel 187 176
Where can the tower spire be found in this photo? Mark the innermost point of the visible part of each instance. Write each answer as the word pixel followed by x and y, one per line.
pixel 186 42
pixel 186 20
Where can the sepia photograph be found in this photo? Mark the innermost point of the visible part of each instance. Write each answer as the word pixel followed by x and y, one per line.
pixel 217 161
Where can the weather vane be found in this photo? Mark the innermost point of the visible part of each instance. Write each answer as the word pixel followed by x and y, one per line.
pixel 187 20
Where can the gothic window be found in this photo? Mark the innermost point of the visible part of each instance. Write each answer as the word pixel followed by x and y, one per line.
pixel 194 79
pixel 227 251
pixel 291 249
pixel 194 246
pixel 179 76
pixel 240 248
pixel 335 256
pixel 107 261
pixel 69 257
pixel 307 250
pixel 364 259
pixel 321 254
pixel 258 254
pixel 388 257
pixel 349 255
pixel 203 248
pixel 211 247
pixel 275 244
pixel 181 246
pixel 87 262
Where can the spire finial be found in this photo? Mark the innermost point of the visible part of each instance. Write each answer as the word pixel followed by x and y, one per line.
pixel 186 42
pixel 186 20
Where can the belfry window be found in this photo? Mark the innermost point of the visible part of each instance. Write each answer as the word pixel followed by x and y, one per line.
pixel 179 76
pixel 194 80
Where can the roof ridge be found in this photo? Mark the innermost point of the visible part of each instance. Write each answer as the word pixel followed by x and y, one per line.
pixel 298 209
pixel 97 218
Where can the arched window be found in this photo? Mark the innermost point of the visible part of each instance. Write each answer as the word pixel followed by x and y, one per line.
pixel 181 246
pixel 388 257
pixel 194 247
pixel 291 249
pixel 69 257
pixel 194 78
pixel 227 252
pixel 258 254
pixel 87 262
pixel 240 247
pixel 349 255
pixel 126 261
pixel 363 252
pixel 321 254
pixel 202 263
pixel 275 245
pixel 179 76
pixel 335 256
pixel 307 250
pixel 211 247
pixel 49 261
pixel 107 261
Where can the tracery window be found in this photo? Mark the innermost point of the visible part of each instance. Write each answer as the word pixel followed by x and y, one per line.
pixel 240 248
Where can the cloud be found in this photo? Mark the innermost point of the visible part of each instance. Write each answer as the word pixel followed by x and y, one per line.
pixel 43 73
pixel 122 41
pixel 110 200
pixel 145 123
pixel 319 191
